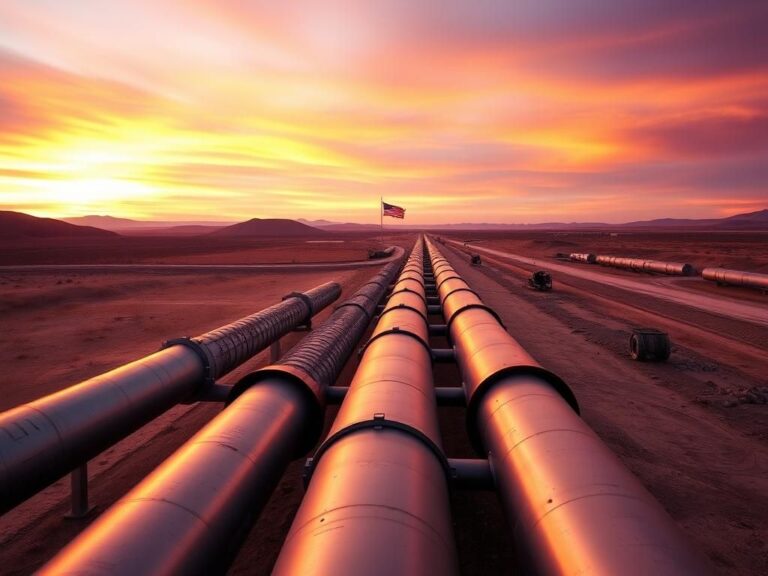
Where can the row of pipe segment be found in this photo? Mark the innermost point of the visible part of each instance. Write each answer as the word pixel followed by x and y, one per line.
pixel 190 515
pixel 377 498
pixel 44 439
pixel 378 484
pixel 573 506
pixel 636 264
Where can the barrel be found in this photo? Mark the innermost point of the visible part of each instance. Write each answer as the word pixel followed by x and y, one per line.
pixel 649 344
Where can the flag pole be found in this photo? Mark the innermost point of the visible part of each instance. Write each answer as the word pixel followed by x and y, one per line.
pixel 381 220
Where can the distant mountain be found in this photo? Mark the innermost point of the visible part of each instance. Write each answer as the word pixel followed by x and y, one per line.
pixel 183 230
pixel 120 224
pixel 317 223
pixel 275 227
pixel 20 225
pixel 750 221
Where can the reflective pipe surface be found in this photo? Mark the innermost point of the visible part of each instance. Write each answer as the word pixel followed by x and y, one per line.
pixel 44 439
pixel 587 258
pixel 574 507
pixel 642 265
pixel 189 515
pixel 736 277
pixel 377 500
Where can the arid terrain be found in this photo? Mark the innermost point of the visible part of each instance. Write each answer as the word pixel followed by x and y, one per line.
pixel 693 429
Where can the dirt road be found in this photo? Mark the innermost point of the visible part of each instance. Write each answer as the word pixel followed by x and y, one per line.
pixel 723 306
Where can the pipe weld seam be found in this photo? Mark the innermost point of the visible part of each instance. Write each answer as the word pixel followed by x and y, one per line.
pixel 392 331
pixel 448 277
pixel 202 352
pixel 478 305
pixel 378 422
pixel 356 305
pixel 464 288
pixel 406 289
pixel 404 307
pixel 308 301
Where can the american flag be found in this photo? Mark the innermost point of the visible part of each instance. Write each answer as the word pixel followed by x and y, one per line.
pixel 392 210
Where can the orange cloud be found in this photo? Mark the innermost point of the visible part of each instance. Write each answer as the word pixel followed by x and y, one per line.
pixel 525 111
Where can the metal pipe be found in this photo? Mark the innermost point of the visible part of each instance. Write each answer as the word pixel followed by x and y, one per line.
pixel 574 507
pixel 377 500
pixel 45 439
pixel 189 515
pixel 643 265
pixel 586 258
pixel 736 277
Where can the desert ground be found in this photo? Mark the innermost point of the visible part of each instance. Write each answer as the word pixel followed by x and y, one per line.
pixel 693 429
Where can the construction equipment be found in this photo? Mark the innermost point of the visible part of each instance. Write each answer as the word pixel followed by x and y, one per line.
pixel 540 280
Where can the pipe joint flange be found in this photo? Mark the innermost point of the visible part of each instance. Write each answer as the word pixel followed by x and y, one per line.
pixel 449 277
pixel 461 289
pixel 404 307
pixel 456 313
pixel 290 376
pixel 209 378
pixel 395 330
pixel 473 403
pixel 406 289
pixel 356 305
pixel 377 422
pixel 307 320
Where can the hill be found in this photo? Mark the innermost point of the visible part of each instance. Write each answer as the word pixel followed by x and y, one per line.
pixel 123 224
pixel 20 225
pixel 269 227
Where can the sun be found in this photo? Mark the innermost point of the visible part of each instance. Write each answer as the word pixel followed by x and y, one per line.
pixel 82 196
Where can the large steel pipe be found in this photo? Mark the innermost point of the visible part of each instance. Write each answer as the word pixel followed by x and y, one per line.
pixel 642 265
pixel 736 277
pixel 189 515
pixel 586 258
pixel 377 500
pixel 43 440
pixel 574 507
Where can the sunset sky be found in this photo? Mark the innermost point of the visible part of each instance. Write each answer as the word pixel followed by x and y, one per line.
pixel 460 111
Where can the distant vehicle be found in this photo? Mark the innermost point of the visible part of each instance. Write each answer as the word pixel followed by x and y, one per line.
pixel 540 280
pixel 475 259
pixel 374 254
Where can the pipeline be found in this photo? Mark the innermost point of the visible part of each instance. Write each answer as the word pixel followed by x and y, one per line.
pixel 190 515
pixel 377 499
pixel 586 258
pixel 642 265
pixel 574 506
pixel 736 277
pixel 46 438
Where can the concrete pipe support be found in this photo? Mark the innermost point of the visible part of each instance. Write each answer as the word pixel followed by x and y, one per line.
pixel 574 507
pixel 377 500
pixel 43 440
pixel 189 515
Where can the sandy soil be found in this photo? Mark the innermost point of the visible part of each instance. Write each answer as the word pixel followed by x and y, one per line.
pixel 679 426
pixel 739 250
pixel 194 250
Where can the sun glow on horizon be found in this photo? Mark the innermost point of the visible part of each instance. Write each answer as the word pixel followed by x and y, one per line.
pixel 496 112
